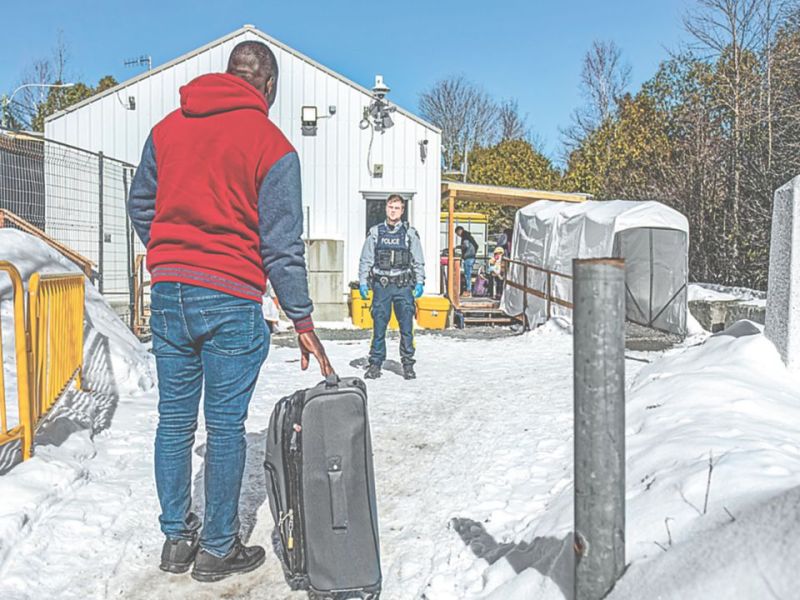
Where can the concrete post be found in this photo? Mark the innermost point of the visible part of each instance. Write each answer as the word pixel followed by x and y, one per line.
pixel 783 287
pixel 599 380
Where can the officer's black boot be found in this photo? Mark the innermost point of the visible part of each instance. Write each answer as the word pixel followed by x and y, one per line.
pixel 408 372
pixel 373 372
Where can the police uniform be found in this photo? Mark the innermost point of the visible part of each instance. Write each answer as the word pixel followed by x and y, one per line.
pixel 392 264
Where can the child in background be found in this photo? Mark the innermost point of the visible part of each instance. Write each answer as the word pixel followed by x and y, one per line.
pixel 496 273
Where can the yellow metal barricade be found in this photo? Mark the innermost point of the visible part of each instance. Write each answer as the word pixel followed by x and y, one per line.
pixel 55 324
pixel 24 430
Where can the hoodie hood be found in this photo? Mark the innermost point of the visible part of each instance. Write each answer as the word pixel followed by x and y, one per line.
pixel 220 92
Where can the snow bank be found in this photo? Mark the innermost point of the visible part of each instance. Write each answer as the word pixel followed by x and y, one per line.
pixel 729 403
pixel 116 365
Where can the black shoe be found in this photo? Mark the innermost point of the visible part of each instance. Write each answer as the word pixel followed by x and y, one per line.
pixel 408 372
pixel 240 559
pixel 373 372
pixel 178 555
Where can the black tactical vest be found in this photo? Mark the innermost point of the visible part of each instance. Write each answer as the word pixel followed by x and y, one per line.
pixel 391 250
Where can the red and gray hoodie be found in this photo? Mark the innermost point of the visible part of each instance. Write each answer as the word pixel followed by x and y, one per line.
pixel 216 198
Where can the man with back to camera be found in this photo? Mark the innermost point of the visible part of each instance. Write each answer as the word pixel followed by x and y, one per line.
pixel 392 263
pixel 216 200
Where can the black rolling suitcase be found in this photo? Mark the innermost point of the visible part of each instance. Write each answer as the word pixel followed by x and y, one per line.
pixel 322 491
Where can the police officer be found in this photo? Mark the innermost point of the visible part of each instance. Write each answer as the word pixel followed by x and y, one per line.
pixel 392 264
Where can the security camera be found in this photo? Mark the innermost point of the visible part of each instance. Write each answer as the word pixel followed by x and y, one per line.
pixel 380 89
pixel 424 142
pixel 332 109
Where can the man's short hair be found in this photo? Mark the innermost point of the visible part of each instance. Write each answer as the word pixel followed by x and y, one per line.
pixel 459 228
pixel 395 198
pixel 266 66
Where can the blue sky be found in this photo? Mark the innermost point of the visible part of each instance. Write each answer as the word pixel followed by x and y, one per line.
pixel 528 50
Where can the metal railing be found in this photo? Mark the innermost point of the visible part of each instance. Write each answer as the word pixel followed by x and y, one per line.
pixel 23 430
pixel 546 294
pixel 55 326
pixel 48 344
pixel 77 198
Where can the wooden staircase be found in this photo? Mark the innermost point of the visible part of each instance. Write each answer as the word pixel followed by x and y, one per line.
pixel 483 311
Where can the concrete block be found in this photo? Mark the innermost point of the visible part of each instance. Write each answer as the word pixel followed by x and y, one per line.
pixel 330 311
pixel 783 292
pixel 326 287
pixel 717 315
pixel 325 255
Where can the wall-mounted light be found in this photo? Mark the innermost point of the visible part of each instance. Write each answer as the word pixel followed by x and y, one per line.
pixel 423 150
pixel 308 120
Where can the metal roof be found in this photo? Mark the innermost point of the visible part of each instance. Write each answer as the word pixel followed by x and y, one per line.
pixel 222 40
pixel 505 196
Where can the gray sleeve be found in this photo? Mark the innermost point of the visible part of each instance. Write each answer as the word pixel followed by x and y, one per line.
pixel 142 195
pixel 417 257
pixel 367 256
pixel 280 219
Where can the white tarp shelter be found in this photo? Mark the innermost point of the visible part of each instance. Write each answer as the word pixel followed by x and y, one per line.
pixel 651 237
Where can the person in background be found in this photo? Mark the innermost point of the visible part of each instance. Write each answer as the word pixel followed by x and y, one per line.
pixel 504 241
pixel 393 265
pixel 469 250
pixel 496 270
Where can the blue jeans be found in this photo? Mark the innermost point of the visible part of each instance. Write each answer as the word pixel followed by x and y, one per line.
pixel 210 343
pixel 468 264
pixel 404 309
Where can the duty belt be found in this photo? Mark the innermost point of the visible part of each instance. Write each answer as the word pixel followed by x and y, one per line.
pixel 401 280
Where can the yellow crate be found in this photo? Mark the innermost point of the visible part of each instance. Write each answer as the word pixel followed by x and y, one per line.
pixel 432 312
pixel 361 311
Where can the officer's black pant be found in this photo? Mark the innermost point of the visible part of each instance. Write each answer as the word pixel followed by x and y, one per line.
pixel 383 298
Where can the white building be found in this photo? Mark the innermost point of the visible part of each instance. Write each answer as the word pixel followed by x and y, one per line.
pixel 347 171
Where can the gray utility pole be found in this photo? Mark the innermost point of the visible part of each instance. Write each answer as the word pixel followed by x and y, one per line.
pixel 599 373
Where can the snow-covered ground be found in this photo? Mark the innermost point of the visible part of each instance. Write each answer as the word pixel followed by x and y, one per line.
pixel 473 465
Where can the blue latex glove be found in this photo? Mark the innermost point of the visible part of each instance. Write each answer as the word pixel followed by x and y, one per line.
pixel 418 290
pixel 364 291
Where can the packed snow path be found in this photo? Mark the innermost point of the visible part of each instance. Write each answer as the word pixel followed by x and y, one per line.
pixel 473 465
pixel 455 443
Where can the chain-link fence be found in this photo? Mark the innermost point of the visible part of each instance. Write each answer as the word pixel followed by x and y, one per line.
pixel 77 198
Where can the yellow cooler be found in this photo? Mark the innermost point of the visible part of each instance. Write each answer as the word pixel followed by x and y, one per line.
pixel 361 311
pixel 432 312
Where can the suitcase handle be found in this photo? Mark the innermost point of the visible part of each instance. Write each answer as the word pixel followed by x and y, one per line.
pixel 331 380
pixel 338 493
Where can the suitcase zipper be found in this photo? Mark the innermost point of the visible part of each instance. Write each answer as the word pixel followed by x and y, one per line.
pixel 294 488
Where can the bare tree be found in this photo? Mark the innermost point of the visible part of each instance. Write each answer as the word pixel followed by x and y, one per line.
pixel 604 79
pixel 512 126
pixel 466 115
pixel 728 32
pixel 42 71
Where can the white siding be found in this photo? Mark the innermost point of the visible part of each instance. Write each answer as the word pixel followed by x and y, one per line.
pixel 334 162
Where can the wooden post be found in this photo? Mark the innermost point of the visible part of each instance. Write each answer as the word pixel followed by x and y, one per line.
pixel 451 234
pixel 599 380
pixel 525 324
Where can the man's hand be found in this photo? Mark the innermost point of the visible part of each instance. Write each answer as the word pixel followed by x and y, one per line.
pixel 310 344
pixel 364 291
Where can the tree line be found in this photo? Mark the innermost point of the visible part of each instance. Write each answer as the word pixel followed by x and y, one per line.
pixel 712 133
